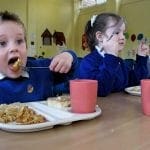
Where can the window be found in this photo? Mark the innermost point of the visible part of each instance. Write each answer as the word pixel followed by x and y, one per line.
pixel 88 3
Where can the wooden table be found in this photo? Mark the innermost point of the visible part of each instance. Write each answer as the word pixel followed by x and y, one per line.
pixel 122 126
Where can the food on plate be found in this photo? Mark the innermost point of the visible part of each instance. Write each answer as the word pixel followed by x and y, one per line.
pixel 19 113
pixel 17 65
pixel 59 102
pixel 136 89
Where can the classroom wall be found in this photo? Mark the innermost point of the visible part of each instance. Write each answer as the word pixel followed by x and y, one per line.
pixel 17 6
pixel 53 15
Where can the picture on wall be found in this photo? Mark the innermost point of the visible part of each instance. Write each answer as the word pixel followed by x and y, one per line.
pixel 46 37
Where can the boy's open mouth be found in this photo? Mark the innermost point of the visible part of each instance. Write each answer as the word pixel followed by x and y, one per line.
pixel 12 60
pixel 15 64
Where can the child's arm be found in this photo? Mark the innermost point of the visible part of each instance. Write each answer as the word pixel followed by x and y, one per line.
pixel 61 80
pixel 62 62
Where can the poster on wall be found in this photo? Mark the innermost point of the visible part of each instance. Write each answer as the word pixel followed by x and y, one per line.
pixel 46 37
pixel 60 40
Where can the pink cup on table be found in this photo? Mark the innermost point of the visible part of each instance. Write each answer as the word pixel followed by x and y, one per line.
pixel 83 95
pixel 145 96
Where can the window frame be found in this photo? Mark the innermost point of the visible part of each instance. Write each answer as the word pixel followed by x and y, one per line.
pixel 86 3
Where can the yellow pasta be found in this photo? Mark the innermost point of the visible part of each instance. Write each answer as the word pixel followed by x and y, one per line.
pixel 20 114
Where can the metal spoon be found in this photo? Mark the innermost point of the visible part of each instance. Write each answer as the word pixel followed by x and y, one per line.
pixel 25 68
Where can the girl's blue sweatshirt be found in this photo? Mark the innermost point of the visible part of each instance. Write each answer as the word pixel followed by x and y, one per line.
pixel 112 73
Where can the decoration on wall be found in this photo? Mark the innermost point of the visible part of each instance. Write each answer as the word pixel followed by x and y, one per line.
pixel 133 37
pixel 140 36
pixel 126 34
pixel 59 38
pixel 136 38
pixel 61 48
pixel 46 37
pixel 42 55
pixel 84 42
pixel 133 52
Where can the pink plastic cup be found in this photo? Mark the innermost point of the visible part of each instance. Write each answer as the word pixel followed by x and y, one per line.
pixel 145 97
pixel 83 94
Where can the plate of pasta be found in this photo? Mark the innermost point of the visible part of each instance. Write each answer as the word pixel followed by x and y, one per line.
pixel 37 116
pixel 134 90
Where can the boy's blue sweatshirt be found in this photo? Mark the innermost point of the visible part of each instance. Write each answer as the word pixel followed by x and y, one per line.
pixel 112 73
pixel 41 84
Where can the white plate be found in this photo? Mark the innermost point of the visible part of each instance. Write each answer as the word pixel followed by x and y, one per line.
pixel 54 117
pixel 135 90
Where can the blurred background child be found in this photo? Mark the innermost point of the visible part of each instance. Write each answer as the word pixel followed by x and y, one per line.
pixel 105 38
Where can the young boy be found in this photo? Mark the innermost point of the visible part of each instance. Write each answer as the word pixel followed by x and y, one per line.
pixel 20 80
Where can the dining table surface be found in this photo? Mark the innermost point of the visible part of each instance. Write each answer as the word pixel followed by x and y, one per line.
pixel 121 126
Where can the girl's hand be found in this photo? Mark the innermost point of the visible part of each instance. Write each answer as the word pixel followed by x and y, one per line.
pixel 143 49
pixel 61 63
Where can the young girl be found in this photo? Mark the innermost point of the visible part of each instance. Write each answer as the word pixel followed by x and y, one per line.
pixel 105 38
pixel 20 80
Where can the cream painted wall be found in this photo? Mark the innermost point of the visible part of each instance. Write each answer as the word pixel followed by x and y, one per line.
pixel 51 14
pixel 17 6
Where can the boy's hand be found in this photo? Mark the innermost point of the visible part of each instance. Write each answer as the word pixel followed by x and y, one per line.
pixel 61 63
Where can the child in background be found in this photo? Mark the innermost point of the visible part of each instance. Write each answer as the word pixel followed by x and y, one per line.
pixel 22 84
pixel 105 38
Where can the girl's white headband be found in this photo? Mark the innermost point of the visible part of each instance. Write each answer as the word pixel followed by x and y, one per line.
pixel 93 18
